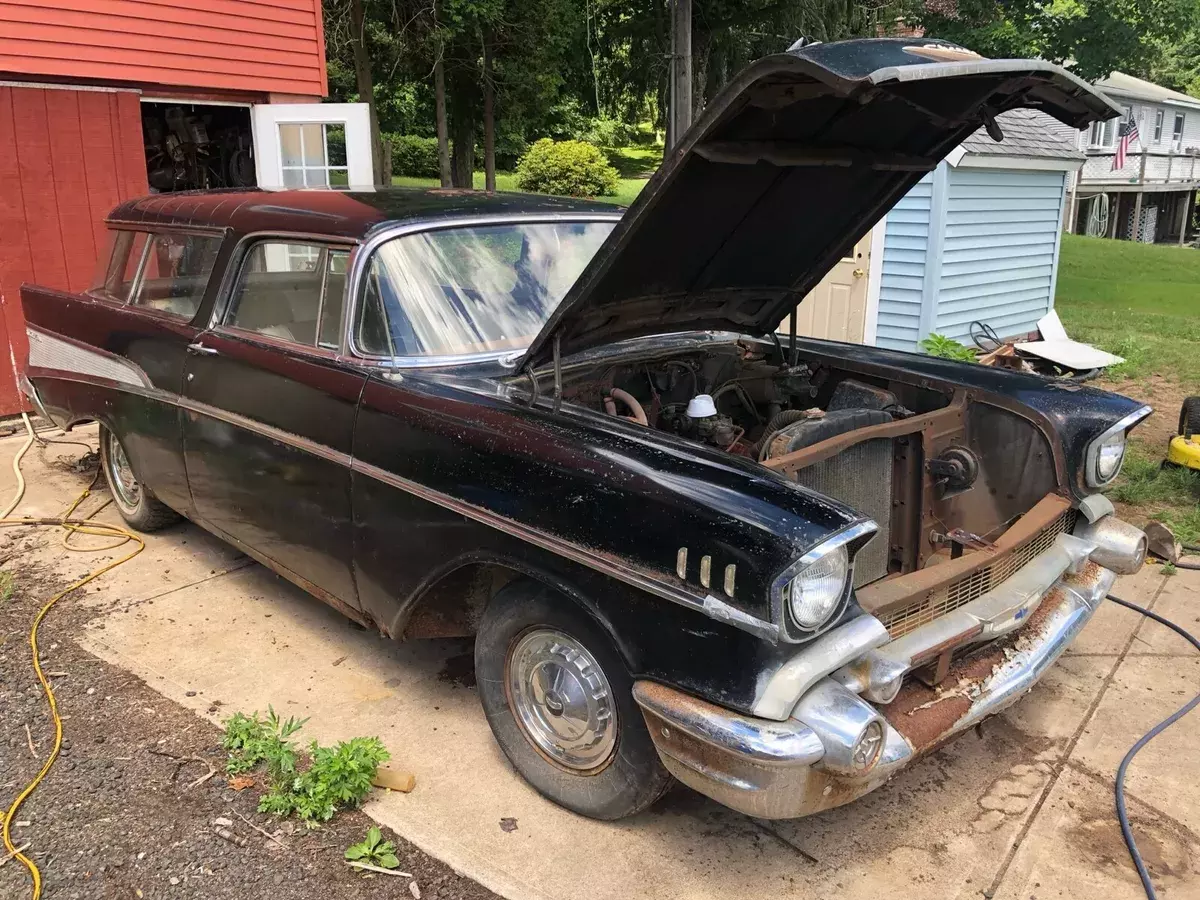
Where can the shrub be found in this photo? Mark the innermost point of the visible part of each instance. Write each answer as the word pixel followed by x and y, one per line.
pixel 573 168
pixel 414 156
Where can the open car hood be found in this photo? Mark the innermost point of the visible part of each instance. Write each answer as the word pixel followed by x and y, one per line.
pixel 788 167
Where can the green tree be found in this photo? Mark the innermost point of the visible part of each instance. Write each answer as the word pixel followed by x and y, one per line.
pixel 1095 37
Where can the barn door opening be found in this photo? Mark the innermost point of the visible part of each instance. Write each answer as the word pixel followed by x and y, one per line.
pixel 312 144
pixel 197 146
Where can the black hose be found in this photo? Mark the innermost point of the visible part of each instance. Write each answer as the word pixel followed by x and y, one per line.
pixel 1122 813
pixel 778 422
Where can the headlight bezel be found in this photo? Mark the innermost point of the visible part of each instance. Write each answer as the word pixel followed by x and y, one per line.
pixel 1092 456
pixel 850 538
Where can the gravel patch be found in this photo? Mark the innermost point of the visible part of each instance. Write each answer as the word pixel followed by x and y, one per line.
pixel 116 816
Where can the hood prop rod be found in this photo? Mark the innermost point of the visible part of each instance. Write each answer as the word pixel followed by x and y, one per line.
pixel 557 373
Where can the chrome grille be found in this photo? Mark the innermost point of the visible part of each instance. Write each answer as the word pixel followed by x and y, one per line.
pixel 970 587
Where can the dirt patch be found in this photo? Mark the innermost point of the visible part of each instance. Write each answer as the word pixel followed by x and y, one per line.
pixel 1166 396
pixel 115 818
pixel 1167 848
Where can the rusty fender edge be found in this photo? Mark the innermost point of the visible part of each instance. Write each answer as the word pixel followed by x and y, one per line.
pixel 778 770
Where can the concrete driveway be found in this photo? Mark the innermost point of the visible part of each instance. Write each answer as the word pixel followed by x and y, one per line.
pixel 1022 810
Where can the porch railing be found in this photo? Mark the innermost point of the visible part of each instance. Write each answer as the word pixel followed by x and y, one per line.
pixel 1143 167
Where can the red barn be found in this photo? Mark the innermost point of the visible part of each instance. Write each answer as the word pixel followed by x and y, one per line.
pixel 103 100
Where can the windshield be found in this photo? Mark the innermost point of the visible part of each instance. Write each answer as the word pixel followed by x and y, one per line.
pixel 477 289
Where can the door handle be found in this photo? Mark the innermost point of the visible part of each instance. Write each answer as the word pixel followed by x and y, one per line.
pixel 198 349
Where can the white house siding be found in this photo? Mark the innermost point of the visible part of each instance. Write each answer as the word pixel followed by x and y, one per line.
pixel 902 277
pixel 970 244
pixel 1000 250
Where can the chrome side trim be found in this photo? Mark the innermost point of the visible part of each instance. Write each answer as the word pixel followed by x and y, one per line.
pixel 53 351
pixel 786 685
pixel 707 604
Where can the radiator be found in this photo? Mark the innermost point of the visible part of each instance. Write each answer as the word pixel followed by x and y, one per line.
pixel 861 477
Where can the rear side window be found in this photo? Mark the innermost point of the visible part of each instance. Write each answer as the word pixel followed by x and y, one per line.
pixel 118 265
pixel 174 273
pixel 291 291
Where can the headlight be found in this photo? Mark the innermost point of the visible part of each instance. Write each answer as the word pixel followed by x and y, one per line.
pixel 1105 454
pixel 815 592
pixel 809 592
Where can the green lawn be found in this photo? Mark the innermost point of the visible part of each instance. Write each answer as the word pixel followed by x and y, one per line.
pixel 1139 301
pixel 507 181
pixel 1142 302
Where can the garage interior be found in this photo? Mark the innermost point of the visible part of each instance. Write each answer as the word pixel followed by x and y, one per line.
pixel 197 146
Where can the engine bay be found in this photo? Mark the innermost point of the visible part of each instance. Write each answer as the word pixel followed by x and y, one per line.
pixel 747 403
pixel 942 473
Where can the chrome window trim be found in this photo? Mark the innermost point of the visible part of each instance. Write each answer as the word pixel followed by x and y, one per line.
pixel 1092 457
pixel 360 265
pixel 233 266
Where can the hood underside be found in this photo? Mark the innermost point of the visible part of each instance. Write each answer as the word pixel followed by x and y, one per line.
pixel 788 167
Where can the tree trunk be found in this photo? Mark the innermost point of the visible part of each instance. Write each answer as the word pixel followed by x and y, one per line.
pixel 439 102
pixel 701 52
pixel 462 131
pixel 365 83
pixel 489 120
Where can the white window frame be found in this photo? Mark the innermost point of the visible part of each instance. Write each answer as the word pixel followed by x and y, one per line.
pixel 1103 135
pixel 267 117
pixel 305 169
pixel 1160 117
pixel 1177 130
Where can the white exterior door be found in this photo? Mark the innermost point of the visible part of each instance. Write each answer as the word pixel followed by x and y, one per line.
pixel 312 144
pixel 837 308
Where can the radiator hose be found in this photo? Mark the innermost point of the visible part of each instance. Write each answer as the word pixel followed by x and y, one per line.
pixel 1122 813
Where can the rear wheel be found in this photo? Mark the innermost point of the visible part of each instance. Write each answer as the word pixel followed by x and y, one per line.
pixel 134 501
pixel 559 699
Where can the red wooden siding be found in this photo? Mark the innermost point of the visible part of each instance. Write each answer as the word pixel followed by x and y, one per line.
pixel 66 158
pixel 268 46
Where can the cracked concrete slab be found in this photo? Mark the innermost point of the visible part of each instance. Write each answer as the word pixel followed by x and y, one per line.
pixel 193 617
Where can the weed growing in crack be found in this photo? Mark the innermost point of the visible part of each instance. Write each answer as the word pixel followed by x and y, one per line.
pixel 335 777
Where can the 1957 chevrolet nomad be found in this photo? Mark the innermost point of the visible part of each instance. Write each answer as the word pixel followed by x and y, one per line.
pixel 778 571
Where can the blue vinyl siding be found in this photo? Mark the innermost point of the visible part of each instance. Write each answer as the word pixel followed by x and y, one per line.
pixel 902 278
pixel 993 259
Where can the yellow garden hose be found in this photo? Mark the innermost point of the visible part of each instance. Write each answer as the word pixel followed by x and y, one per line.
pixel 73 527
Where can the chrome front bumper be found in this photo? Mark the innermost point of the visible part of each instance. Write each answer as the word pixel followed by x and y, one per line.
pixel 855 720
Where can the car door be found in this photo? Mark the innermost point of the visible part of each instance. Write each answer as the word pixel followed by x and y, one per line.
pixel 269 410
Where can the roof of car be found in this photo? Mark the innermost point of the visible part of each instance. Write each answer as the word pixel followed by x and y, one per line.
pixel 340 213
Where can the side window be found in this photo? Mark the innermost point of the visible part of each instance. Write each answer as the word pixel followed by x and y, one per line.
pixel 292 291
pixel 118 265
pixel 175 273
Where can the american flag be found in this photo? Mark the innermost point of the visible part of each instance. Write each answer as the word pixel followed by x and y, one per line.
pixel 1129 134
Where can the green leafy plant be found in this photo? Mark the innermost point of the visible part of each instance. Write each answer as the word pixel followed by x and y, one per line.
pixel 947 348
pixel 1169 569
pixel 573 168
pixel 374 850
pixel 8 584
pixel 339 776
pixel 335 777
pixel 251 741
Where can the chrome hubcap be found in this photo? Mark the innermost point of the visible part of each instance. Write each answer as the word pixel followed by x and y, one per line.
pixel 561 699
pixel 125 487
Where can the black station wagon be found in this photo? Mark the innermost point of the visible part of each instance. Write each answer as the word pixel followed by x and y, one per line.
pixel 686 547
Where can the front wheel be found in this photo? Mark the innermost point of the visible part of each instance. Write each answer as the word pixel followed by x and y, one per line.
pixel 137 506
pixel 559 699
